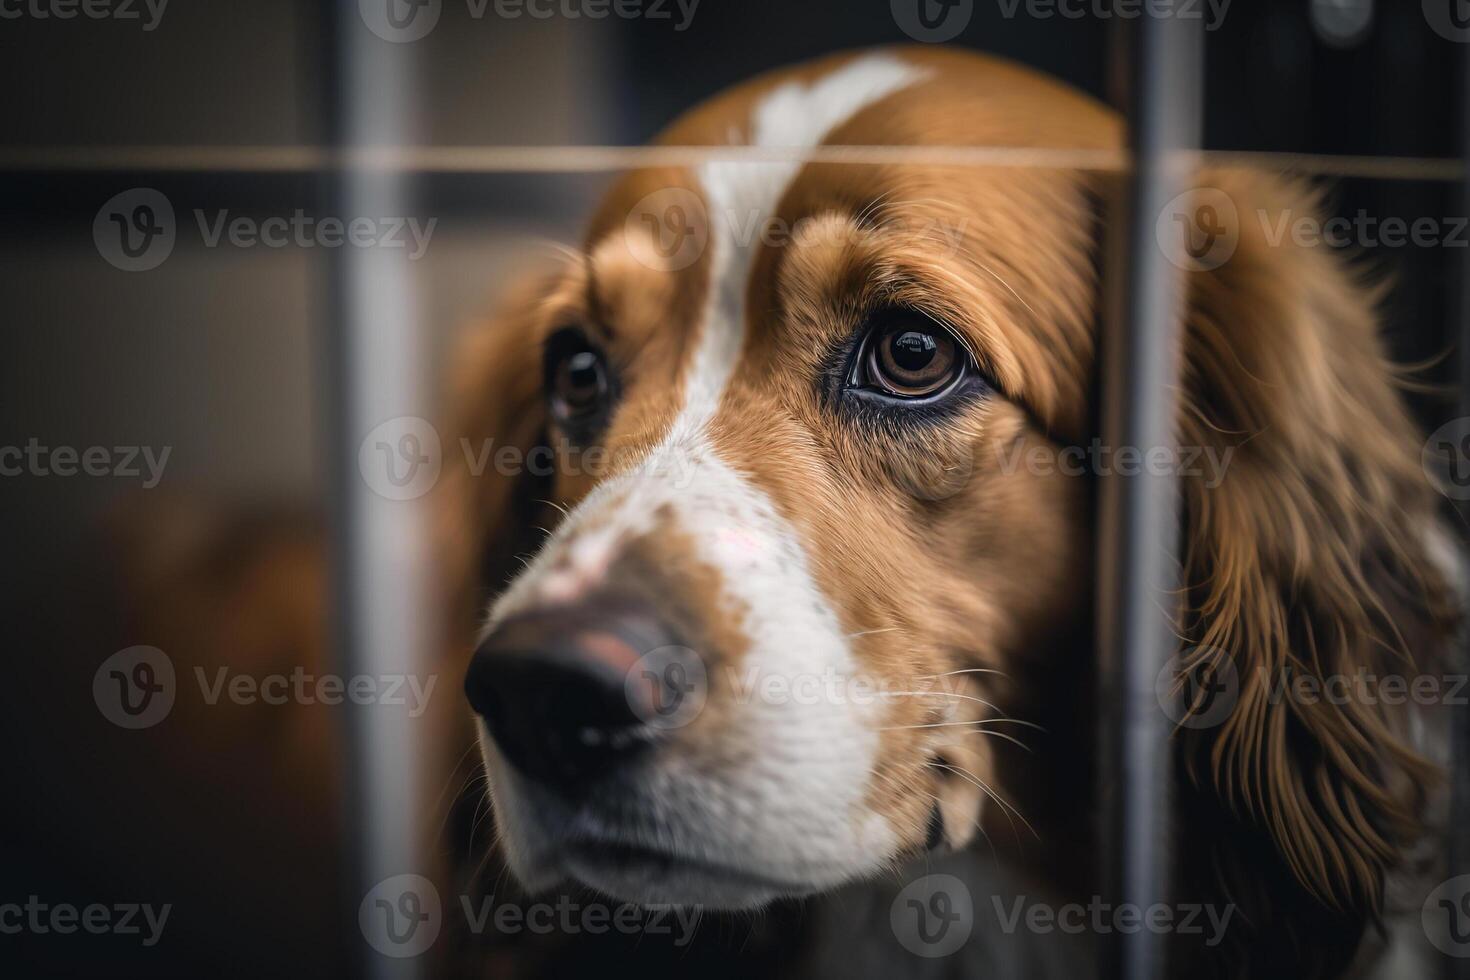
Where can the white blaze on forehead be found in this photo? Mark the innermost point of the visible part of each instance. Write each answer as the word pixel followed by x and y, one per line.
pixel 791 807
pixel 741 197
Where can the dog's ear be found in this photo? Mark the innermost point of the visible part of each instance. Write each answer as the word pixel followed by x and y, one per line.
pixel 497 477
pixel 1306 539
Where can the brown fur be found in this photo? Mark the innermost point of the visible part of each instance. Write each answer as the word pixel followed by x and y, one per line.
pixel 1309 557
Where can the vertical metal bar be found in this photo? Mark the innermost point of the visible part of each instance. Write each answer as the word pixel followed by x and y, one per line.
pixel 1137 538
pixel 1458 968
pixel 380 545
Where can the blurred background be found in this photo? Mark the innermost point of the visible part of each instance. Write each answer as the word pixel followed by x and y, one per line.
pixel 233 813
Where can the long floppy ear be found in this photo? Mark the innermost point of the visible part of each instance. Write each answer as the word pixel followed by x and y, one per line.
pixel 1307 573
pixel 492 495
pixel 487 507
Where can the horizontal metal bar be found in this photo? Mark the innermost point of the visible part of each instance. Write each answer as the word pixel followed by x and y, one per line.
pixel 577 159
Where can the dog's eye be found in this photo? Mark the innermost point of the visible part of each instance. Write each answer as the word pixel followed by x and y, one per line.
pixel 908 355
pixel 579 384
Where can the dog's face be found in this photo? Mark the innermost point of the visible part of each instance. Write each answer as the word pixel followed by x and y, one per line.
pixel 784 404
pixel 800 550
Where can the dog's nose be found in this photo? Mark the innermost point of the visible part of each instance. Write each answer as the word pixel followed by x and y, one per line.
pixel 555 691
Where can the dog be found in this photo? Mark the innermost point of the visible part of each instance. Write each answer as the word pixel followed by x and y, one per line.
pixel 804 575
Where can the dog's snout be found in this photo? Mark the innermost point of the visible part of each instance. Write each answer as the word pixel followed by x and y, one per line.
pixel 554 690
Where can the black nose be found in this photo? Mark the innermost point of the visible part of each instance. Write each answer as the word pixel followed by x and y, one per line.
pixel 554 690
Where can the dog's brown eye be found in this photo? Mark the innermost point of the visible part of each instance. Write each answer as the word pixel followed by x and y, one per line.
pixel 910 356
pixel 579 385
pixel 581 382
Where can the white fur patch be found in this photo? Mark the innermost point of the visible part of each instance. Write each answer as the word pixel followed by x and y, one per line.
pixel 740 196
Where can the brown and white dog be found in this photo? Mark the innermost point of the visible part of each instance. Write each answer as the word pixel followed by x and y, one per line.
pixel 798 602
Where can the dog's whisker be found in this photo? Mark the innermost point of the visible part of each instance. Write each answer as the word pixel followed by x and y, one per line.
pixel 967 670
pixel 943 694
pixel 1009 738
pixel 955 724
pixel 886 629
pixel 552 503
pixel 1006 808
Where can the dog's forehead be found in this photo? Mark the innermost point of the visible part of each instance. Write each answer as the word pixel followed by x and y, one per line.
pixel 681 256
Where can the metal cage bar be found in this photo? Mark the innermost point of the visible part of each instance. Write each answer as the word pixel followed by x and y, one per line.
pixel 1458 844
pixel 374 364
pixel 1137 568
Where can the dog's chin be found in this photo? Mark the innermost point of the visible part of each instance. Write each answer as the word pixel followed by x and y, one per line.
pixel 646 877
